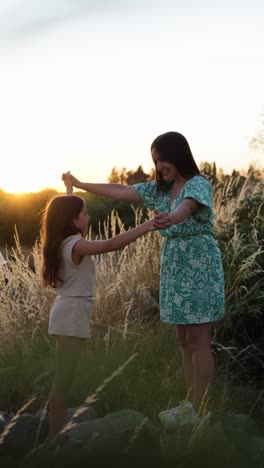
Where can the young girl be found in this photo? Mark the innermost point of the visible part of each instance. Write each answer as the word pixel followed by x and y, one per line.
pixel 191 275
pixel 68 267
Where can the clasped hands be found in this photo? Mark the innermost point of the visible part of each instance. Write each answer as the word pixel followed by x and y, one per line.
pixel 162 219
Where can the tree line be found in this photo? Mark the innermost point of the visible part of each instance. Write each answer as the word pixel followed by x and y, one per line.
pixel 23 212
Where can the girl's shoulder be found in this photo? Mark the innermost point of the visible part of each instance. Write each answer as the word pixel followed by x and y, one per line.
pixel 71 240
pixel 67 246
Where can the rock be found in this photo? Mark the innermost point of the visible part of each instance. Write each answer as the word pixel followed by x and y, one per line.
pixel 217 444
pixel 175 445
pixel 129 433
pixel 81 414
pixel 256 445
pixel 240 424
pixel 23 432
pixel 227 439
pixel 4 419
pixel 78 414
pixel 126 431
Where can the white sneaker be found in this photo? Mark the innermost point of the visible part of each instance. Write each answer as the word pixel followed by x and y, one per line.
pixel 177 409
pixel 183 415
pixel 205 418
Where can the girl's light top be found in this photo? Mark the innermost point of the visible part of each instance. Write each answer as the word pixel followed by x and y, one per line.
pixel 78 280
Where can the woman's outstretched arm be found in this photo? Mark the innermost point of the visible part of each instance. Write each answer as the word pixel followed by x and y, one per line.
pixel 115 191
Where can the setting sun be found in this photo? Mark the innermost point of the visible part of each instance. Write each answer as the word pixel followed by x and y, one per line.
pixel 24 182
pixel 29 176
pixel 20 184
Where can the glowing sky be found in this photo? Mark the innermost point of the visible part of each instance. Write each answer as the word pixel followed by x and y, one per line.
pixel 87 85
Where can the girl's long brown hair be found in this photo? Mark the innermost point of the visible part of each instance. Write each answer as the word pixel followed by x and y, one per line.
pixel 57 224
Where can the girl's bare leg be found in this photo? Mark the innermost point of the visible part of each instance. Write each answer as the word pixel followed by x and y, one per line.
pixel 67 356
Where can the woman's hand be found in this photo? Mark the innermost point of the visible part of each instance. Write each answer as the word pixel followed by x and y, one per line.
pixel 68 183
pixel 162 220
pixel 74 182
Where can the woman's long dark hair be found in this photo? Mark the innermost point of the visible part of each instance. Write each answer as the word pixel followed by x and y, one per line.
pixel 56 225
pixel 174 148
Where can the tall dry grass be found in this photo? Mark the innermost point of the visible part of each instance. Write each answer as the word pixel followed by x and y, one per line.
pixel 239 228
pixel 127 282
pixel 126 286
pixel 24 304
pixel 125 311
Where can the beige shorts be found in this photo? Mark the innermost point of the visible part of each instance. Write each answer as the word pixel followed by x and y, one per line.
pixel 70 316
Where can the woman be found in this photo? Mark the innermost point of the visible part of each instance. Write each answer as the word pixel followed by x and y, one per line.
pixel 191 275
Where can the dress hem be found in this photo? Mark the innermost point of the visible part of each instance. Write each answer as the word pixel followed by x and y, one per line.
pixel 191 323
pixel 70 335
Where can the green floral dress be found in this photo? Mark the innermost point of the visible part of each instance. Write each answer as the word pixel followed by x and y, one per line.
pixel 191 275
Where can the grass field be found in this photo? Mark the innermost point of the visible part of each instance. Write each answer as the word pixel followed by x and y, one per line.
pixel 132 360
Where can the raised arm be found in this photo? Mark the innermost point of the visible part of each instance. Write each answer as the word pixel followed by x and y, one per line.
pixel 68 184
pixel 115 191
pixel 84 247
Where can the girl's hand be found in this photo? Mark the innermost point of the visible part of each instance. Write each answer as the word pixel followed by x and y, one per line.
pixel 74 182
pixel 150 224
pixel 162 219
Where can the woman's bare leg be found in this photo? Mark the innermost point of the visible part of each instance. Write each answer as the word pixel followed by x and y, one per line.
pixel 199 344
pixel 187 362
pixel 67 356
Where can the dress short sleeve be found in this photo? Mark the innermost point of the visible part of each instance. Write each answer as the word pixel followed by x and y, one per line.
pixel 200 190
pixel 148 193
